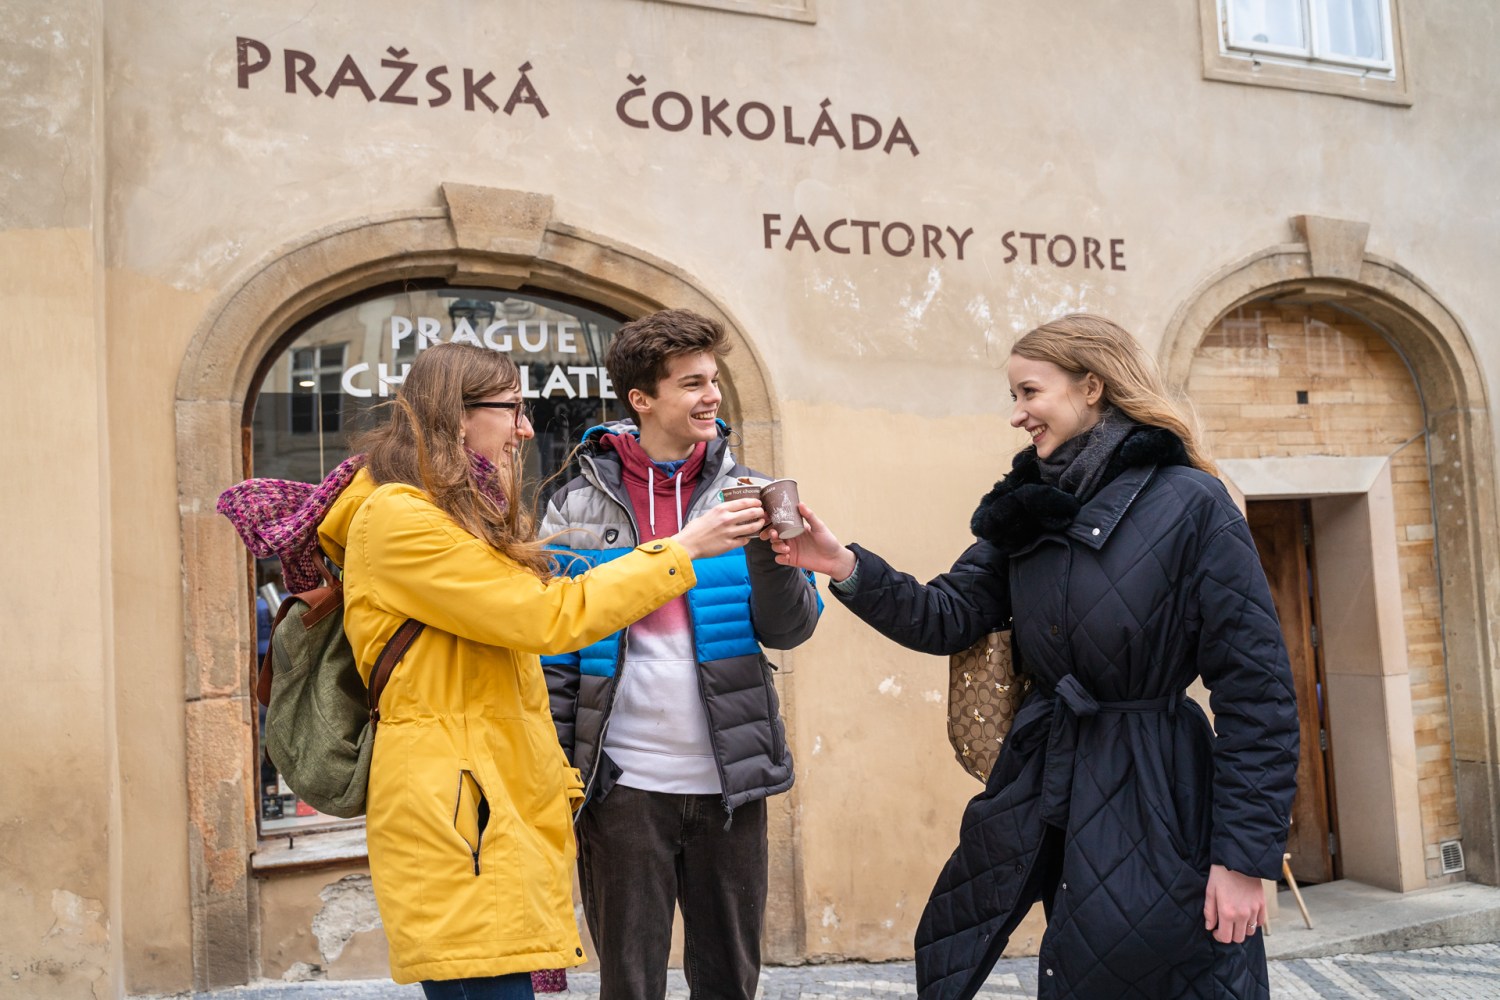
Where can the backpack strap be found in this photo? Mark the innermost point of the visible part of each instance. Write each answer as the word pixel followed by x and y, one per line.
pixel 263 679
pixel 386 662
pixel 321 602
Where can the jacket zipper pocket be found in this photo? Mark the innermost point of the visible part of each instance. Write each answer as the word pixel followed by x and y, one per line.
pixel 773 717
pixel 471 814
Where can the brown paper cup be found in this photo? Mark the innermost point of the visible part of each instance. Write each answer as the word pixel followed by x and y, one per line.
pixel 780 500
pixel 739 493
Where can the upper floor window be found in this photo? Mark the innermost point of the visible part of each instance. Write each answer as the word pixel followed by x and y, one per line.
pixel 1341 33
pixel 1348 48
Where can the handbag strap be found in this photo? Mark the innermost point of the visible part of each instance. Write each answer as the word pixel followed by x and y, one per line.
pixel 387 660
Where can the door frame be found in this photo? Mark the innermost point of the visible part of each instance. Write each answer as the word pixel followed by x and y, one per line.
pixel 1378 807
pixel 1328 257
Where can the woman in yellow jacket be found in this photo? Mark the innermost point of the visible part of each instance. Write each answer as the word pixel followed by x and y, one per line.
pixel 471 800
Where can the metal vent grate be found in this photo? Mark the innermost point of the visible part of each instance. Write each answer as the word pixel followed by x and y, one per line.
pixel 1453 856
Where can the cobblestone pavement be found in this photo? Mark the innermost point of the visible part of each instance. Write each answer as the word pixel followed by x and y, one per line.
pixel 1464 972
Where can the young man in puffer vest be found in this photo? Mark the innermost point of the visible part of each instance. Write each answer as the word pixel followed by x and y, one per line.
pixel 674 722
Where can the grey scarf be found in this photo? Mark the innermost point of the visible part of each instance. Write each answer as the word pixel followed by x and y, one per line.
pixel 1077 465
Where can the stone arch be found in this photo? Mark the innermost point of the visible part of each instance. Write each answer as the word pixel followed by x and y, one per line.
pixel 1329 261
pixel 480 236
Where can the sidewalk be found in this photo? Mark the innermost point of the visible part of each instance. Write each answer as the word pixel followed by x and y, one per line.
pixel 1465 972
pixel 1434 944
pixel 1350 918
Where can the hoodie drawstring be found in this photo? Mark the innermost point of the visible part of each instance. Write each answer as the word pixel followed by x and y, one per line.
pixel 651 497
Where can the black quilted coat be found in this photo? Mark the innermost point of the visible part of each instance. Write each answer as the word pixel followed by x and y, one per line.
pixel 1112 795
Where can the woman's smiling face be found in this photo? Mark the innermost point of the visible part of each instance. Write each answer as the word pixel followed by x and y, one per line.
pixel 1051 405
pixel 495 433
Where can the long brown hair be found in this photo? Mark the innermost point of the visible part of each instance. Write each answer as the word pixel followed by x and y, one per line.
pixel 1081 343
pixel 420 445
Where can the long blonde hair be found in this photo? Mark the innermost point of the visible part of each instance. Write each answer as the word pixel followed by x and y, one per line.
pixel 1082 343
pixel 420 445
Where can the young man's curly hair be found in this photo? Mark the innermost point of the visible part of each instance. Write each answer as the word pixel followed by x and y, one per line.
pixel 638 356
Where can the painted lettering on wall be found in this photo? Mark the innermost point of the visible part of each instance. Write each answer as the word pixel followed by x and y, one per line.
pixel 758 121
pixel 873 237
pixel 865 236
pixel 399 80
pixel 1064 251
pixel 408 335
pixel 404 81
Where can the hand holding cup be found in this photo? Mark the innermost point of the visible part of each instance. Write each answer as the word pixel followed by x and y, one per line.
pixel 816 549
pixel 728 526
pixel 778 496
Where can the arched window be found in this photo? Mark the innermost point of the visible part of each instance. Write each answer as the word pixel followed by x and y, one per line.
pixel 335 368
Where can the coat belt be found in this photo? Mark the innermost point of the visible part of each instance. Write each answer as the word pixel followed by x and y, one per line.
pixel 1072 702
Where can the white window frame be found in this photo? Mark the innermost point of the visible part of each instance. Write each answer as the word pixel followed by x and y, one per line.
pixel 1384 81
pixel 1314 52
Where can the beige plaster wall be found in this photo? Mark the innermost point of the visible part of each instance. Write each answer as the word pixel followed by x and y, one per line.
pixel 1018 120
pixel 885 368
pixel 152 689
pixel 59 816
pixel 321 925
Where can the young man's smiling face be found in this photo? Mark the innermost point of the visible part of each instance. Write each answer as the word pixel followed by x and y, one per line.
pixel 683 411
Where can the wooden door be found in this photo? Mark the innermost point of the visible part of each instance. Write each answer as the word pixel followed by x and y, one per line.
pixel 1283 535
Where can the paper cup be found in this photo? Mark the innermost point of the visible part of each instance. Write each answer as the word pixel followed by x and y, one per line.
pixel 780 500
pixel 739 493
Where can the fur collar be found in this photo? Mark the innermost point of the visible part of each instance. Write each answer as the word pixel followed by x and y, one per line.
pixel 1021 506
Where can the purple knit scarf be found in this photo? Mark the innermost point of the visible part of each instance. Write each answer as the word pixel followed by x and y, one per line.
pixel 280 517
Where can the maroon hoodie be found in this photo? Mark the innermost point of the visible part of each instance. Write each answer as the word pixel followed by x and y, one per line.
pixel 652 494
pixel 658 733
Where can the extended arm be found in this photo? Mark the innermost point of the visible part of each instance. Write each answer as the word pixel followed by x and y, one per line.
pixel 783 601
pixel 947 614
pixel 420 565
pixel 944 616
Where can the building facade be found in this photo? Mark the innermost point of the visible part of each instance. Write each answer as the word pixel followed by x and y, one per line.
pixel 224 232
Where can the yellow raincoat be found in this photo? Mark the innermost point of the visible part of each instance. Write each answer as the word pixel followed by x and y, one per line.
pixel 471 798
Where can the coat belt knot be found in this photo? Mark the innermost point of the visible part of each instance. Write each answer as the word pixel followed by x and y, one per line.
pixel 1072 702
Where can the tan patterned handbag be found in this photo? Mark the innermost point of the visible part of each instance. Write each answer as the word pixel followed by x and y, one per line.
pixel 983 694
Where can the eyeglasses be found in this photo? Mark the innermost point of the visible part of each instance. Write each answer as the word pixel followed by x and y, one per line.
pixel 520 407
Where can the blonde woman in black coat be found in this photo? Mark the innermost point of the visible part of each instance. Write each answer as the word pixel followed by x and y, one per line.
pixel 1128 573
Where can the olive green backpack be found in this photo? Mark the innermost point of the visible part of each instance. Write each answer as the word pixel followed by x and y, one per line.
pixel 320 717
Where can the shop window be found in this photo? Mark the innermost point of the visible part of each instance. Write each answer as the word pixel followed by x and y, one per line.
pixel 328 382
pixel 1351 48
